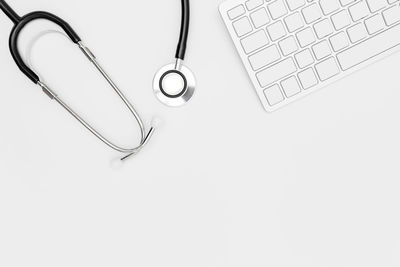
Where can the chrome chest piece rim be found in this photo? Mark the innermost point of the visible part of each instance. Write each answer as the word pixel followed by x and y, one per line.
pixel 174 84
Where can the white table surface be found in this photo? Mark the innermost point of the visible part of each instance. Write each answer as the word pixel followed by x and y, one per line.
pixel 221 184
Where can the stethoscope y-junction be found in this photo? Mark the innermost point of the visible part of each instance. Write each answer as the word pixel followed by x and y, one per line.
pixel 19 25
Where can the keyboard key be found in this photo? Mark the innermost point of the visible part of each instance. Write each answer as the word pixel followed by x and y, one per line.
pixel 359 11
pixel 375 5
pixel 375 24
pixel 288 46
pixel 304 59
pixel 255 41
pixel 274 95
pixel 294 22
pixel 236 12
pixel 253 4
pixel 311 13
pixel 276 72
pixel 321 50
pixel 391 15
pixel 357 32
pixel 329 6
pixel 260 17
pixel 277 9
pixel 305 37
pixel 339 41
pixel 308 79
pixel 276 31
pixel 290 86
pixel 295 4
pixel 323 28
pixel 264 57
pixel 242 26
pixel 327 69
pixel 369 48
pixel 346 2
pixel 341 20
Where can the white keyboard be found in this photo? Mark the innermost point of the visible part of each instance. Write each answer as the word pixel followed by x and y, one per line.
pixel 291 48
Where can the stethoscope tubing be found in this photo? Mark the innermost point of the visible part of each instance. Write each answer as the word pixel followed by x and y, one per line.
pixel 13 16
pixel 184 32
pixel 19 25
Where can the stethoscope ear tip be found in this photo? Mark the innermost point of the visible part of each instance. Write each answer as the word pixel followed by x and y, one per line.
pixel 156 122
pixel 116 164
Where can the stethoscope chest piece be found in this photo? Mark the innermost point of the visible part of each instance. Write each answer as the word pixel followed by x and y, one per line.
pixel 174 85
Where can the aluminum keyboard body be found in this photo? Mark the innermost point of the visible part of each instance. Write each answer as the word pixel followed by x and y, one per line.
pixel 291 48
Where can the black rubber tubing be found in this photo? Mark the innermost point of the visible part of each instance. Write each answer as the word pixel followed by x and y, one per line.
pixel 9 12
pixel 183 37
pixel 20 23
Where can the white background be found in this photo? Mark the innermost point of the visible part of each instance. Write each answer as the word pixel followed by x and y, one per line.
pixel 221 184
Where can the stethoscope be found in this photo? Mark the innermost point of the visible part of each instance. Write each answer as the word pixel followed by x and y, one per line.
pixel 173 84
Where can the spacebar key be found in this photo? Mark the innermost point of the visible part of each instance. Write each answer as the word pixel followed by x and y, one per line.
pixel 369 48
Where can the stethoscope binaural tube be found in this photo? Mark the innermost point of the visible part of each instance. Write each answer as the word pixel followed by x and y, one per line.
pixel 174 84
pixel 19 25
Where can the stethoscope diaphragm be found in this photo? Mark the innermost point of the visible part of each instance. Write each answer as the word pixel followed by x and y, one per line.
pixel 174 85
